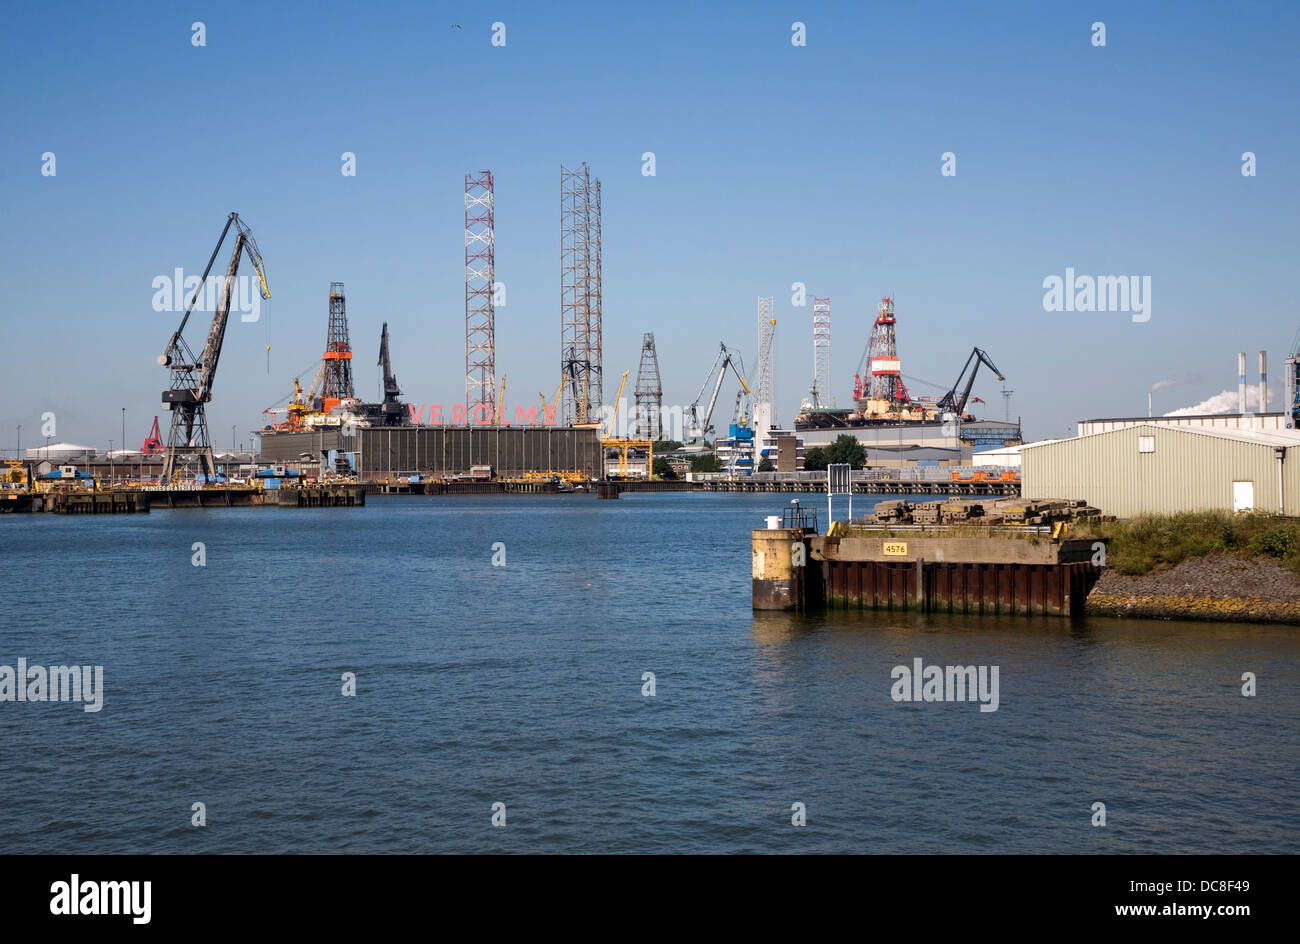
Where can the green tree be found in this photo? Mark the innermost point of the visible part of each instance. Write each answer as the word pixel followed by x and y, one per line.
pixel 668 445
pixel 814 460
pixel 663 469
pixel 845 449
pixel 766 465
pixel 708 462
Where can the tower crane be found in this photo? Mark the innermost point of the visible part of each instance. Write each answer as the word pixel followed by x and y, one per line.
pixel 950 401
pixel 696 428
pixel 192 378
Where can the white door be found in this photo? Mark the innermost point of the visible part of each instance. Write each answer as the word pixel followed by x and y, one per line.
pixel 1243 496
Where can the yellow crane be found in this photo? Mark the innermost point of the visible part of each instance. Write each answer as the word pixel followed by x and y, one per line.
pixel 501 407
pixel 618 401
pixel 555 400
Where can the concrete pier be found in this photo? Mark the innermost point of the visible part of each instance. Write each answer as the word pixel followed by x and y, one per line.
pixel 103 502
pixel 929 572
pixel 780 569
pixel 318 496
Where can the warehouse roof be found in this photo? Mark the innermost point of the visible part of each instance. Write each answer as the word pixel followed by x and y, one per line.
pixel 1276 437
pixel 1176 416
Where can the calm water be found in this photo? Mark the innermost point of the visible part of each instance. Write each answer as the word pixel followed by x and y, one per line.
pixel 522 685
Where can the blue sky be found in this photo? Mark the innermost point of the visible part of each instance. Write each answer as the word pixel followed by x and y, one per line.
pixel 775 164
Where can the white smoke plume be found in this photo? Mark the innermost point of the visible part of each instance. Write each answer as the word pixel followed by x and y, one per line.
pixel 1225 402
pixel 1161 384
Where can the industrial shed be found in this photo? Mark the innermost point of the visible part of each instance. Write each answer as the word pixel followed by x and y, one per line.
pixel 1156 469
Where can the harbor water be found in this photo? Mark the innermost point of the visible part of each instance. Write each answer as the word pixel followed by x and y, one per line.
pixel 500 647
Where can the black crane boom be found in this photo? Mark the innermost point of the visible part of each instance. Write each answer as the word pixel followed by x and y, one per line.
pixel 391 407
pixel 950 400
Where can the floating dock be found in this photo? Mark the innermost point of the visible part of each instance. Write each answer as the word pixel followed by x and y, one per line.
pixel 129 501
pixel 928 571
pixel 108 502
pixel 308 496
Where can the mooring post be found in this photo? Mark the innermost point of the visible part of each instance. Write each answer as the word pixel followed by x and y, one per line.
pixel 780 560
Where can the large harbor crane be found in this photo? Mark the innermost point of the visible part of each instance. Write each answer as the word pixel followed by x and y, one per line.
pixel 697 428
pixel 391 409
pixel 950 401
pixel 192 378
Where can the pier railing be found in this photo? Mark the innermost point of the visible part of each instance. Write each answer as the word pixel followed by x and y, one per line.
pixel 797 516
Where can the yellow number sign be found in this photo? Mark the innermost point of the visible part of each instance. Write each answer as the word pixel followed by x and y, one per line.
pixel 895 548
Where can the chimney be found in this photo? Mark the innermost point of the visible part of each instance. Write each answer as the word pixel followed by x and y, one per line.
pixel 1241 383
pixel 1263 382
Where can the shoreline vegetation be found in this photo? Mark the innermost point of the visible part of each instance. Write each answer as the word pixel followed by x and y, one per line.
pixel 1199 566
pixel 1203 565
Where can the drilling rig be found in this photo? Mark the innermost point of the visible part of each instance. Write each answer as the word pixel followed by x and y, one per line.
pixel 192 378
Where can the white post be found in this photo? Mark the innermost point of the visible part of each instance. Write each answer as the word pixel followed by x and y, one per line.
pixel 1281 505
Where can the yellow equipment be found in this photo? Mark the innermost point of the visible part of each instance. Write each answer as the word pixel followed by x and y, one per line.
pixel 624 444
pixel 618 401
pixel 555 400
pixel 15 474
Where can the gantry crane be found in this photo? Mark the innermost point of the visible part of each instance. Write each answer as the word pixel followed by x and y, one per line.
pixel 697 429
pixel 629 449
pixel 192 378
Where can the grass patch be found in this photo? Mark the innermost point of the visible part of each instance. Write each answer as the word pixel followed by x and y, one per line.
pixel 1140 545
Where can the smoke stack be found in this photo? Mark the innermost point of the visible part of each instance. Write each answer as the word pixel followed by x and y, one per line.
pixel 1241 383
pixel 1263 382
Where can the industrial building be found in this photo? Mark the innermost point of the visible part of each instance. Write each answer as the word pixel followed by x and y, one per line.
pixel 61 452
pixel 380 453
pixel 921 444
pixel 1154 468
pixel 784 449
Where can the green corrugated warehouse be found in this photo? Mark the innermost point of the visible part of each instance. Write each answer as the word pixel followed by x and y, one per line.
pixel 1164 469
